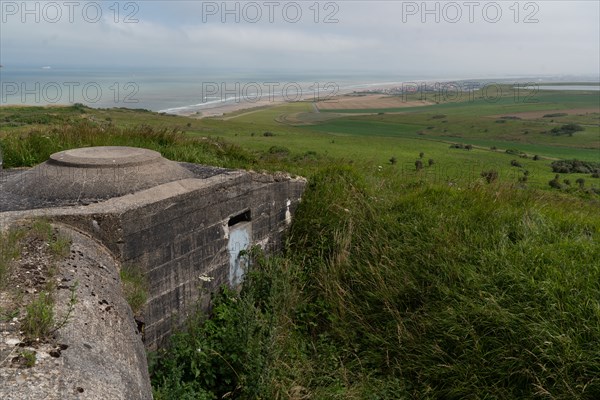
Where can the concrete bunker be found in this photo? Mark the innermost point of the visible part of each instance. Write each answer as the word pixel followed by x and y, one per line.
pixel 186 226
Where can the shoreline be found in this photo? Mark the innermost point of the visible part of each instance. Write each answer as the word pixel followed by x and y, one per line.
pixel 221 108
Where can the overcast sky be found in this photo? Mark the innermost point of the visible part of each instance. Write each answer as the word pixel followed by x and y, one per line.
pixel 477 38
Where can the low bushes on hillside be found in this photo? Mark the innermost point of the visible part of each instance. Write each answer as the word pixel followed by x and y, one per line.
pixel 575 166
pixel 567 129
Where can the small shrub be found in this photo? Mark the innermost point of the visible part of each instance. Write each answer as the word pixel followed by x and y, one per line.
pixel 581 182
pixel 555 183
pixel 268 134
pixel 39 317
pixel 60 246
pixel 490 176
pixel 513 117
pixel 421 155
pixel 568 129
pixel 431 162
pixel 536 157
pixel 25 359
pixel 567 182
pixel 279 150
pixel 515 163
pixel 469 147
pixel 393 160
pixel 419 165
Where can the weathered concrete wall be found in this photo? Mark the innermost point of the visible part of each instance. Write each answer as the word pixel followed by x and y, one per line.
pixel 98 352
pixel 186 235
pixel 178 233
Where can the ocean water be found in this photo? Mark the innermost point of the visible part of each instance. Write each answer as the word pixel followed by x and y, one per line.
pixel 177 90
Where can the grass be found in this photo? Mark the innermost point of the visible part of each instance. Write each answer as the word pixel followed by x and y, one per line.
pixel 38 322
pixel 9 250
pixel 29 358
pixel 394 283
pixel 408 289
pixel 135 287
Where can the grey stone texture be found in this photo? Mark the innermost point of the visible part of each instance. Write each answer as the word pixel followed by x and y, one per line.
pixel 173 220
pixel 102 355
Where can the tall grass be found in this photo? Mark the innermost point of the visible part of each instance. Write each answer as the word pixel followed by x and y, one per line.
pixel 416 290
pixel 34 147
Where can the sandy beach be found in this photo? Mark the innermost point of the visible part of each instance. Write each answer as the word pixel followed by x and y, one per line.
pixel 339 100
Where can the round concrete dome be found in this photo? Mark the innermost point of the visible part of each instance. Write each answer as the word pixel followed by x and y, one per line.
pixel 96 173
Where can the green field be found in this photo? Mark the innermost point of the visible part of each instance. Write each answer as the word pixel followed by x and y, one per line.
pixel 396 282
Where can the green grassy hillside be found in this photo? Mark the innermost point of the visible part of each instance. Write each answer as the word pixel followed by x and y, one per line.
pixel 401 278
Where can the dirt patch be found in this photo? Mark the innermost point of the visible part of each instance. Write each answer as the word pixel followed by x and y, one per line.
pixel 376 101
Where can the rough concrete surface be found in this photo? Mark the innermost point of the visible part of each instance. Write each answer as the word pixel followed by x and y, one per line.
pixel 184 229
pixel 98 353
pixel 95 173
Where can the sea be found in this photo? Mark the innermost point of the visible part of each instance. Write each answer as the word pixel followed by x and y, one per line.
pixel 187 91
pixel 174 90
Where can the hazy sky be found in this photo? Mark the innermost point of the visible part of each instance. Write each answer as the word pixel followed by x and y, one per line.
pixel 469 38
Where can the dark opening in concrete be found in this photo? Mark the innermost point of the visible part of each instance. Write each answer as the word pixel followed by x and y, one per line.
pixel 243 217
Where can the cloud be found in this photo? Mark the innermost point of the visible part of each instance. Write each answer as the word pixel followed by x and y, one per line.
pixel 369 36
